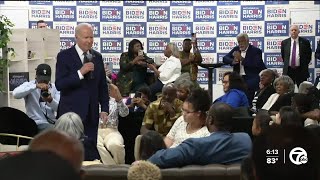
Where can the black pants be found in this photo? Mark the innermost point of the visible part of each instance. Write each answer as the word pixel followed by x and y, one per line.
pixel 295 75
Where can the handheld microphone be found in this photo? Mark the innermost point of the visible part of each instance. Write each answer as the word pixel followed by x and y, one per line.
pixel 90 59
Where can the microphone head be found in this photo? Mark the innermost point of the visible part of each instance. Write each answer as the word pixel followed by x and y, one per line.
pixel 89 56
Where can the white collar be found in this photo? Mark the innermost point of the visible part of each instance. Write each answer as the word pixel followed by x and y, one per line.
pixel 79 50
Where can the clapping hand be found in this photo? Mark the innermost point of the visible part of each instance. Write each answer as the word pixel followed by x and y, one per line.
pixel 237 57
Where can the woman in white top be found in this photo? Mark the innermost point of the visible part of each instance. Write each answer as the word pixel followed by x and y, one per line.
pixel 192 123
pixel 168 72
pixel 109 138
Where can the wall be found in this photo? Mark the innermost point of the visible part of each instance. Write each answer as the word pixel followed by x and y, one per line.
pixel 157 22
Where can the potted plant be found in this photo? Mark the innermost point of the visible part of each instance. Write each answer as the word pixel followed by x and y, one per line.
pixel 5 53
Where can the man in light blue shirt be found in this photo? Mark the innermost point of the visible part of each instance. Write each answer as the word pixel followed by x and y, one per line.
pixel 221 147
pixel 41 97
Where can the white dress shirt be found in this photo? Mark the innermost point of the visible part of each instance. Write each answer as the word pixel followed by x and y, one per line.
pixel 243 55
pixel 170 70
pixel 80 53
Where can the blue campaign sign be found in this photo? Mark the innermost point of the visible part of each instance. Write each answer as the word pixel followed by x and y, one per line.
pixel 227 3
pixel 88 3
pixel 181 3
pixel 135 29
pixel 276 28
pixel 33 24
pixel 111 45
pixel 134 3
pixel 206 45
pixel 252 13
pixel 157 45
pixel 66 43
pixel 181 29
pixel 274 2
pixel 39 3
pixel 257 42
pixel 228 29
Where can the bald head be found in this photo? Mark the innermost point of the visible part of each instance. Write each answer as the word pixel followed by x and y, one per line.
pixel 60 143
pixel 294 31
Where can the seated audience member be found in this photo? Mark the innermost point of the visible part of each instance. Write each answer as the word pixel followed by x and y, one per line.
pixel 279 140
pixel 129 126
pixel 60 143
pixel 234 88
pixel 71 123
pixel 315 129
pixel 162 113
pixel 246 169
pixel 109 138
pixel 303 104
pixel 261 122
pixel 190 60
pixel 267 76
pixel 184 86
pixel 304 87
pixel 221 147
pixel 150 143
pixel 168 72
pixel 41 97
pixel 288 116
pixel 144 170
pixel 284 91
pixel 192 122
pixel 42 165
pixel 133 69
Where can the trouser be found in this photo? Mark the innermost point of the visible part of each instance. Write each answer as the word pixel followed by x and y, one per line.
pixel 110 140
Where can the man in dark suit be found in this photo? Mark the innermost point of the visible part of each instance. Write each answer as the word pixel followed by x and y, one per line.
pixel 296 55
pixel 247 61
pixel 81 80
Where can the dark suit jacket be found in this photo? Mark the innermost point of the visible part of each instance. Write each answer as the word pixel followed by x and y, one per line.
pixel 81 96
pixel 305 56
pixel 252 63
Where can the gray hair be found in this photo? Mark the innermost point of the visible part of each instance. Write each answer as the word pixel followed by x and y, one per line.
pixel 183 81
pixel 243 35
pixel 285 80
pixel 304 87
pixel 272 72
pixel 168 86
pixel 70 123
pixel 174 49
pixel 80 26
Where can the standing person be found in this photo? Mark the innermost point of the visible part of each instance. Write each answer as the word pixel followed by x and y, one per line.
pixel 247 61
pixel 41 24
pixel 41 97
pixel 296 55
pixel 82 81
pixel 317 56
pixel 133 69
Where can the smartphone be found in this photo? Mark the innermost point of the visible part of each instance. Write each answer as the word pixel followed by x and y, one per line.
pixel 193 37
pixel 138 95
pixel 132 95
pixel 110 66
pixel 140 53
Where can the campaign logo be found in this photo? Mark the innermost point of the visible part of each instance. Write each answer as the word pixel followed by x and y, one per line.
pixel 204 29
pixel 317 27
pixel 33 24
pixel 272 44
pixel 157 45
pixel 134 3
pixel 88 3
pixel 44 13
pixel 111 45
pixel 206 45
pixel 225 45
pixel 276 28
pixel 252 2
pixel 202 76
pixel 67 29
pixel 180 3
pixel 66 43
pixel 273 60
pixel 96 44
pixel 257 42
pixel 227 14
pixel 111 14
pixel 181 14
pixel 277 12
pixel 228 29
pixel 181 29
pixel 272 2
pixel 228 3
pixel 204 14
pixel 220 57
pixel 64 13
pixel 204 3
pixel 158 29
pixel 112 29
pixel 135 14
pixel 132 29
pixel 158 14
pixel 252 13
pixel 112 58
pixel 312 41
pixel 64 3
pixel 252 28
pixel 95 28
pixel 158 3
pixel 40 3
pixel 126 42
pixel 208 58
pixel 178 42
pixel 305 28
pixel 87 14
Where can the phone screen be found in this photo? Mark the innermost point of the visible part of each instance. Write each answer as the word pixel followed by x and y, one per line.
pixel 140 53
pixel 193 37
pixel 132 95
pixel 110 66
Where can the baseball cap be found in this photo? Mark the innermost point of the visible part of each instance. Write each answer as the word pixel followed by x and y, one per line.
pixel 43 72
